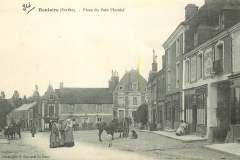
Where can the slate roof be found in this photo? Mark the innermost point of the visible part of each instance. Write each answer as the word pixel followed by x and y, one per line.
pixel 129 78
pixel 25 107
pixel 85 96
pixel 50 91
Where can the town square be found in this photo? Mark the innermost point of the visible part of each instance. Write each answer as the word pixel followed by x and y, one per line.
pixel 120 79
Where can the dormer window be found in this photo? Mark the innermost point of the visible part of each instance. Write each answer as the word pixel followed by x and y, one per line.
pixel 51 97
pixel 134 87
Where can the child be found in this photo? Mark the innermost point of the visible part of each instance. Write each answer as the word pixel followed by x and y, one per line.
pixel 134 135
pixel 109 138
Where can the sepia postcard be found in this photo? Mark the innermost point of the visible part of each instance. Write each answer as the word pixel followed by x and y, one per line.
pixel 120 79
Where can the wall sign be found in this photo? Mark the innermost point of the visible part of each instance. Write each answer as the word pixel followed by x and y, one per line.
pixel 208 62
pixel 193 69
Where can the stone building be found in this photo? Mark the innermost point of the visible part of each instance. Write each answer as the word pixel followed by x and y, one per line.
pixel 128 94
pixel 83 105
pixel 156 94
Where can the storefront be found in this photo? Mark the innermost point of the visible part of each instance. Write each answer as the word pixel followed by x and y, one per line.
pixel 235 108
pixel 173 111
pixel 195 109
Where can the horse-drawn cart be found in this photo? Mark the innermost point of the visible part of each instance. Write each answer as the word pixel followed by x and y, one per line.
pixel 123 127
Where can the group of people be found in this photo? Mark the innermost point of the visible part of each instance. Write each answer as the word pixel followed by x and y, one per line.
pixel 61 134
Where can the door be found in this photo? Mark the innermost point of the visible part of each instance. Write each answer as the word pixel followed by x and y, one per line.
pixel 194 118
pixel 121 114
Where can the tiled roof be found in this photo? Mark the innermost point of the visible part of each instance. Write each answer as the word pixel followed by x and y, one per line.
pixel 25 107
pixel 86 96
pixel 129 78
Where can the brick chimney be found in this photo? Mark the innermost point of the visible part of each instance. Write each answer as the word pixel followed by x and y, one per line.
pixel 190 10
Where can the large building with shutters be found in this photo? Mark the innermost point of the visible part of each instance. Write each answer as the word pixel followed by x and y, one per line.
pixel 128 93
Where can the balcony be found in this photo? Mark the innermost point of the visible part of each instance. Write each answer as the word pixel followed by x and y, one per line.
pixel 218 67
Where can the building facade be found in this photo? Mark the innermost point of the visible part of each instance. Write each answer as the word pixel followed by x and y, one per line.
pixel 128 94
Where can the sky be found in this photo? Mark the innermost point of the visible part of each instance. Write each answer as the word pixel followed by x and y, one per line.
pixel 81 48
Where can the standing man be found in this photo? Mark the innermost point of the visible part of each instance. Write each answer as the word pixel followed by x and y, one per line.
pixel 33 130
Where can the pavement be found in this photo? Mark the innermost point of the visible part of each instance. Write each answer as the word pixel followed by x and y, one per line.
pixel 228 148
pixel 183 138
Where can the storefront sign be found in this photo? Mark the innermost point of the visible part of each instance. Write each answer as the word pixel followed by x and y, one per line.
pixel 208 62
pixel 193 69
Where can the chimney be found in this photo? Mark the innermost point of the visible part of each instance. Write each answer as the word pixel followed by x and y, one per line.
pixel 190 10
pixel 61 85
pixel 154 64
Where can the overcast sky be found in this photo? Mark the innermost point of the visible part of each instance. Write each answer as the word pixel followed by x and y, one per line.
pixel 81 49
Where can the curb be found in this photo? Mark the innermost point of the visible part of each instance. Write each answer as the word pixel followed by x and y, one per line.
pixel 219 151
pixel 183 141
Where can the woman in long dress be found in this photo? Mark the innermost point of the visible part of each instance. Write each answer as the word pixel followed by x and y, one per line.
pixel 181 129
pixel 54 137
pixel 62 133
pixel 69 142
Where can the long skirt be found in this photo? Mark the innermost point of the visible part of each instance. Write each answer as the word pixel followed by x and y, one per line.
pixel 54 144
pixel 70 144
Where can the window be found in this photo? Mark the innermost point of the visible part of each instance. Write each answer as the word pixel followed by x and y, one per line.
pixel 120 88
pixel 169 79
pixel 177 47
pixel 51 97
pixel 169 56
pixel 200 66
pixel 99 108
pixel 51 110
pixel 187 71
pixel 134 100
pixel 71 107
pixel 99 119
pixel 134 87
pixel 177 74
pixel 121 100
pixel 218 58
pixel 85 120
